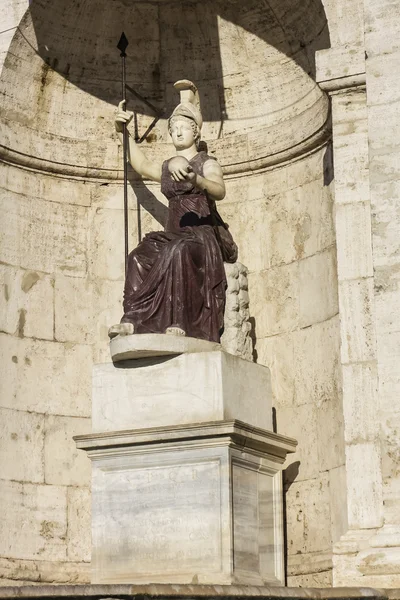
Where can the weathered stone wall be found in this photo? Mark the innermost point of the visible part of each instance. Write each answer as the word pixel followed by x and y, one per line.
pixel 358 72
pixel 62 287
pixel 45 388
pixel 62 253
pixel 283 220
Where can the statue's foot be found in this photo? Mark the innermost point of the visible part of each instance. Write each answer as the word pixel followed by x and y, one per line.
pixel 121 329
pixel 175 331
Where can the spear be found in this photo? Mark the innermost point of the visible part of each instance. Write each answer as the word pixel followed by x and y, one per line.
pixel 122 46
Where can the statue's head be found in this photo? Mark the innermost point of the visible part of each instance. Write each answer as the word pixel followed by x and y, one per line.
pixel 187 115
pixel 184 131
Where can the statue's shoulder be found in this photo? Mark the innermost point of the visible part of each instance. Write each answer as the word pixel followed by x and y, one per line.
pixel 202 157
pixel 207 156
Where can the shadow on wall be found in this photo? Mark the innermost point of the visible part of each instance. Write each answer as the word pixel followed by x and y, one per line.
pixel 168 41
pixel 289 476
pixel 147 200
pixel 329 173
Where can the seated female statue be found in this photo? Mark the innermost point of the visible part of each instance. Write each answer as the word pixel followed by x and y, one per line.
pixel 175 279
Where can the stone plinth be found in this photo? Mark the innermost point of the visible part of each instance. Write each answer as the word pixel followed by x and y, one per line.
pixel 186 482
pixel 187 504
pixel 192 592
pixel 191 387
pixel 145 345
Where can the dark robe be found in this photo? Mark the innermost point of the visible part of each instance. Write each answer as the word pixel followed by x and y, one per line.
pixel 176 277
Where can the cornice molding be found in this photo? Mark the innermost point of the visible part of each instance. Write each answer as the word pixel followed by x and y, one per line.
pixel 49 167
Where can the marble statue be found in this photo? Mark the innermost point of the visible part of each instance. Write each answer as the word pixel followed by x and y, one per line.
pixel 175 280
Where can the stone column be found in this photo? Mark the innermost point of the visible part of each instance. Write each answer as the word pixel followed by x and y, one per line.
pixel 341 72
pixel 382 46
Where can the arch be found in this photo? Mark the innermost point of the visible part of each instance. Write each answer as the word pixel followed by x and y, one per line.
pixel 254 64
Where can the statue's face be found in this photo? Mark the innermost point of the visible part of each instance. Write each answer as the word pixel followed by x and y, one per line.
pixel 182 134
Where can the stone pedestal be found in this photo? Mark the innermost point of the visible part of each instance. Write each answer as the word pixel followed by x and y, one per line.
pixel 182 383
pixel 186 479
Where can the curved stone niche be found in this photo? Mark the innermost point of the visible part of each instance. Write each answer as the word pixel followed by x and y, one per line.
pixel 253 63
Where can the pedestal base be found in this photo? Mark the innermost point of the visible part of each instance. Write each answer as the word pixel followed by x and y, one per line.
pixel 195 503
pixel 193 387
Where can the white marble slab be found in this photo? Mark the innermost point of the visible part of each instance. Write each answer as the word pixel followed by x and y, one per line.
pixel 200 504
pixel 190 388
pixel 144 345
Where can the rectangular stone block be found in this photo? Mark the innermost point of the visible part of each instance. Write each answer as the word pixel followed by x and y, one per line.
pixel 338 502
pixel 364 493
pixel 79 524
pixel 277 354
pixel 357 320
pixel 354 242
pixel 351 165
pixel 254 248
pixel 34 521
pixel 189 388
pixel 25 294
pixel 308 516
pixel 275 299
pixel 30 368
pixel 63 246
pixel 331 451
pixel 360 388
pixel 189 504
pixel 64 465
pixel 342 61
pixel 74 309
pixel 22 441
pixel 318 296
pixel 317 373
pixel 300 422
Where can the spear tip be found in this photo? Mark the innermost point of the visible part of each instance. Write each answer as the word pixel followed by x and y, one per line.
pixel 123 44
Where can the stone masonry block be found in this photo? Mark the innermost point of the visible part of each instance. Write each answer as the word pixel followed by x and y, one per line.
pixel 248 228
pixel 274 300
pixel 107 242
pixel 107 310
pixel 22 435
pixel 31 368
pixel 73 309
pixel 45 186
pixel 318 297
pixel 34 521
pixel 317 363
pixel 357 320
pixel 64 465
pixel 360 388
pixel 330 426
pixel 364 493
pixel 277 354
pixel 43 236
pixel 27 303
pixel 338 502
pixel 188 388
pixel 354 243
pixel 308 515
pixel 79 524
pixel 300 422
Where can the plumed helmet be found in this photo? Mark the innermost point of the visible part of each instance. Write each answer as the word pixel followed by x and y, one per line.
pixel 189 105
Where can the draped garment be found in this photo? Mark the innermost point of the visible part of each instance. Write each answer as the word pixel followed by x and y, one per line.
pixel 176 277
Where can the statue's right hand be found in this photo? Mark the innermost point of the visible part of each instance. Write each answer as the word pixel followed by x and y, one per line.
pixel 122 116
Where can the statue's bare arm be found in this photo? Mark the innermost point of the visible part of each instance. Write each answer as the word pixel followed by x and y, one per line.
pixel 212 181
pixel 144 167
